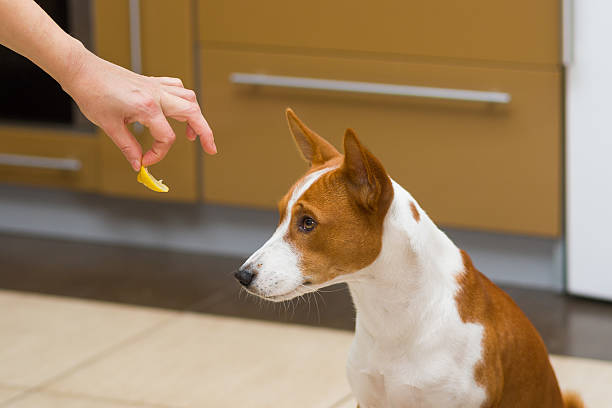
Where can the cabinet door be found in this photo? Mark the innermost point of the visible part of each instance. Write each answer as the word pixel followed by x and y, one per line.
pixel 166 49
pixel 470 164
pixel 519 31
pixel 47 157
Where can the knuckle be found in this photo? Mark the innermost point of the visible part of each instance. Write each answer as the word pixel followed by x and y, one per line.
pixel 170 138
pixel 166 139
pixel 191 95
pixel 125 149
pixel 158 155
pixel 148 105
pixel 192 109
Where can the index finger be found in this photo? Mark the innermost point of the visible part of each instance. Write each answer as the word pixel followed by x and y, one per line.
pixel 201 127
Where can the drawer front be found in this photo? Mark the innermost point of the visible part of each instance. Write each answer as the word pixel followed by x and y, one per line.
pixel 48 158
pixel 522 31
pixel 470 164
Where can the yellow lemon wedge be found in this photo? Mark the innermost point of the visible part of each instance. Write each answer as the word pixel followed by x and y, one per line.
pixel 144 177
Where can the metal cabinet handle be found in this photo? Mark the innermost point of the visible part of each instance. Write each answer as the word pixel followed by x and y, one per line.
pixel 135 43
pixel 135 48
pixel 38 162
pixel 369 88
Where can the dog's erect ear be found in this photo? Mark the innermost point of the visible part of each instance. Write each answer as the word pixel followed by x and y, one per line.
pixel 368 180
pixel 314 148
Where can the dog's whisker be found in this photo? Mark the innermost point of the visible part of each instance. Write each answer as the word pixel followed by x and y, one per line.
pixel 294 308
pixel 318 311
pixel 331 291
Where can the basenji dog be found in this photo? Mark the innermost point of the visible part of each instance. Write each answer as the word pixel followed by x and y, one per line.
pixel 431 330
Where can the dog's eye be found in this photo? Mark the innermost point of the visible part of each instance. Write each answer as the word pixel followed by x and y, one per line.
pixel 307 224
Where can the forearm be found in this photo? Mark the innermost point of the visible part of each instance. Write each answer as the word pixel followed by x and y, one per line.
pixel 28 30
pixel 110 96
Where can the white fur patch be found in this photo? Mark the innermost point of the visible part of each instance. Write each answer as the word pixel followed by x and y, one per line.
pixel 411 347
pixel 276 262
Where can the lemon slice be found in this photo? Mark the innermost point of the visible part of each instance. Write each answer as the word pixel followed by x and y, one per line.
pixel 144 177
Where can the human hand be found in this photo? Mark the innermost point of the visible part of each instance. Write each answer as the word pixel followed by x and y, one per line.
pixel 113 97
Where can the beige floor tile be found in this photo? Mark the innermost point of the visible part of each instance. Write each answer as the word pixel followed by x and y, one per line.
pixel 592 379
pixel 207 361
pixel 44 335
pixel 347 402
pixel 48 400
pixel 7 392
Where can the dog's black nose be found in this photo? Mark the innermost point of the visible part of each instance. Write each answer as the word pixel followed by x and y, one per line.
pixel 244 276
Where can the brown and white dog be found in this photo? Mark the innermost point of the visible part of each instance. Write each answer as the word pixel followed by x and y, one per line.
pixel 431 330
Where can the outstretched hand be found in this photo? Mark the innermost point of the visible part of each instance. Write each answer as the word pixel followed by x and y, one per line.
pixel 113 97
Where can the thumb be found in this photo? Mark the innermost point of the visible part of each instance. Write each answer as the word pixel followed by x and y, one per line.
pixel 127 143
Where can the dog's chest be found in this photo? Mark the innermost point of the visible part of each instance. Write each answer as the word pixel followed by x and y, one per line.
pixel 438 375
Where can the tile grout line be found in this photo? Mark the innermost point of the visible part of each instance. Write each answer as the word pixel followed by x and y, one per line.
pixel 106 399
pixel 90 360
pixel 342 400
pixel 11 386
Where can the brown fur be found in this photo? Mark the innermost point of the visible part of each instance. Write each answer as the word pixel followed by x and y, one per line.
pixel 348 203
pixel 313 147
pixel 415 212
pixel 515 369
pixel 572 400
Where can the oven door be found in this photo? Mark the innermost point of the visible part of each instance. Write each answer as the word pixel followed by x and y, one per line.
pixel 28 94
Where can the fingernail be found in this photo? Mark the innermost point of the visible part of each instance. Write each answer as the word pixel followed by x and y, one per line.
pixel 136 165
pixel 212 148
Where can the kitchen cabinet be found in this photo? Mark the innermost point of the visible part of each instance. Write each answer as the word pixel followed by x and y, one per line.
pixel 490 164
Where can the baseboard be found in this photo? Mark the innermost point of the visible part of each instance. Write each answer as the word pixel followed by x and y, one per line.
pixel 515 260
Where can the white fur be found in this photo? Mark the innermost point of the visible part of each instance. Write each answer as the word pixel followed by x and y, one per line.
pixel 276 262
pixel 411 348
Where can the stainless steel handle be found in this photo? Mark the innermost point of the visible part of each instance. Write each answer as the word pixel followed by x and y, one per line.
pixel 135 43
pixel 369 88
pixel 38 162
pixel 135 48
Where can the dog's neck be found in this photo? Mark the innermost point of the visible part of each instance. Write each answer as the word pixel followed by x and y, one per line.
pixel 409 291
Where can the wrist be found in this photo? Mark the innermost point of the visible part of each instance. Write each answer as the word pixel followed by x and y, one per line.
pixel 71 66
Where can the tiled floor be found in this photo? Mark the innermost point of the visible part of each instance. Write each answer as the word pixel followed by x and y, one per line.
pixel 97 326
pixel 64 352
pixel 42 336
pixel 201 283
pixel 58 351
pixel 7 392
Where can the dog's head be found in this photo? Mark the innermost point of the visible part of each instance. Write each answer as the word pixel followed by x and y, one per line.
pixel 331 220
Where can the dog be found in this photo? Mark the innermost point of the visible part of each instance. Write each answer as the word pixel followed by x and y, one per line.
pixel 430 330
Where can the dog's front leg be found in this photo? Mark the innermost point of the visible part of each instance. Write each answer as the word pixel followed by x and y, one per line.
pixel 368 389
